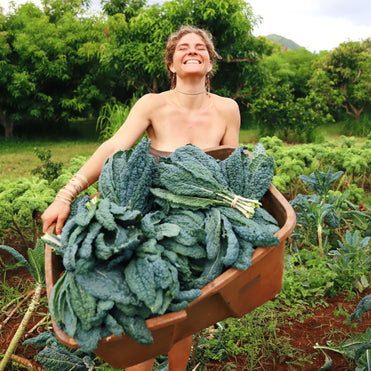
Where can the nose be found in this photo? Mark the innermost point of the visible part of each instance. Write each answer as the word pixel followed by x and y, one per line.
pixel 192 51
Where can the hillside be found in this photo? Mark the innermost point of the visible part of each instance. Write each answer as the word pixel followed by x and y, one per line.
pixel 282 40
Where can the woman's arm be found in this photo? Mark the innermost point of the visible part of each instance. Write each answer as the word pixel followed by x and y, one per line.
pixel 135 125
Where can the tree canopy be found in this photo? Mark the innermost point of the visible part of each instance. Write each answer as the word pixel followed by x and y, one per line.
pixel 342 77
pixel 59 62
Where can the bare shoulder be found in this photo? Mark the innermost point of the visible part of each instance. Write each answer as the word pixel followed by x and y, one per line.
pixel 153 98
pixel 226 104
pixel 148 106
pixel 227 108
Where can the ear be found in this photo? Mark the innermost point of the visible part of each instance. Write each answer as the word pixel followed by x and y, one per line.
pixel 210 66
pixel 171 67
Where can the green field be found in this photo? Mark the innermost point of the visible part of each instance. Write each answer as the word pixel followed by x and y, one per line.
pixel 18 158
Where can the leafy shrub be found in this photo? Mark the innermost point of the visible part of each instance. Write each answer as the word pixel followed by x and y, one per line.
pixel 356 194
pixel 111 118
pixel 292 161
pixel 348 142
pixel 49 170
pixel 271 142
pixel 21 203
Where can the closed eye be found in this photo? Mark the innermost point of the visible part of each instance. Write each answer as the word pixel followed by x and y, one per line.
pixel 183 47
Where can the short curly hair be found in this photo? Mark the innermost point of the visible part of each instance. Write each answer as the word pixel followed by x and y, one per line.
pixel 182 31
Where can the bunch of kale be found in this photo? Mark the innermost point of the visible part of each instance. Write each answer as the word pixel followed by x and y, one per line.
pixel 154 236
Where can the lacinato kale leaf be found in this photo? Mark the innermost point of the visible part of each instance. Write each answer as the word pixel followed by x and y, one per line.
pixel 233 246
pixel 136 179
pixel 261 171
pixel 257 236
pixel 243 260
pixel 236 170
pixel 127 177
pixel 106 284
pixel 213 228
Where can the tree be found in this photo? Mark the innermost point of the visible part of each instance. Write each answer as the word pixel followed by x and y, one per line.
pixel 128 7
pixel 342 77
pixel 50 72
pixel 5 72
pixel 286 107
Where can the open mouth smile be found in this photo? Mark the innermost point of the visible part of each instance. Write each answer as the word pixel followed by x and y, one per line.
pixel 192 61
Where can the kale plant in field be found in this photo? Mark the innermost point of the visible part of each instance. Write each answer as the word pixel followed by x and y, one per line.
pixel 324 211
pixel 155 235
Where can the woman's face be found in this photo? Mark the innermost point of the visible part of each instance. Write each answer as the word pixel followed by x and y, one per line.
pixel 191 56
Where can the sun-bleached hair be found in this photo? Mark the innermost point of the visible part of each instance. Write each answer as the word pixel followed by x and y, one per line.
pixel 174 38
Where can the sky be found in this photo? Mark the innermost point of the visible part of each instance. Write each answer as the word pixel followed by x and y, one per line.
pixel 313 24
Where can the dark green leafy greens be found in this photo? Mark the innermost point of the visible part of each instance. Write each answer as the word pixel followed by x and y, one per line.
pixel 56 356
pixel 155 235
pixel 188 183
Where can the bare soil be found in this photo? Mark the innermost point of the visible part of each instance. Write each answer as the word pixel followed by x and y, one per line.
pixel 322 326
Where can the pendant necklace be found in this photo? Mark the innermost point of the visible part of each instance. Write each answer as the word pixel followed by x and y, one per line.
pixel 184 92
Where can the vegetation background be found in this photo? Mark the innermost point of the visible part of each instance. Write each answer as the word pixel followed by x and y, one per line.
pixel 68 78
pixel 60 62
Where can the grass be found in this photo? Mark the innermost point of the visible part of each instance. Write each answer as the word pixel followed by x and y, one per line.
pixel 335 131
pixel 254 337
pixel 18 158
pixel 248 136
pixel 14 293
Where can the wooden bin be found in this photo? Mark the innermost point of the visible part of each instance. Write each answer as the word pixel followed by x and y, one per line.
pixel 233 294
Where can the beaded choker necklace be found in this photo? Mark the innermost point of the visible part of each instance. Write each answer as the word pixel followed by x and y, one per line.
pixel 184 92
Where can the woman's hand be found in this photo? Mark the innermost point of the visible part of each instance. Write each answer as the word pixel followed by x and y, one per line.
pixel 57 212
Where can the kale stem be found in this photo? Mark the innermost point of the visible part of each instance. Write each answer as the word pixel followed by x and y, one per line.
pixel 319 234
pixel 17 336
pixel 243 206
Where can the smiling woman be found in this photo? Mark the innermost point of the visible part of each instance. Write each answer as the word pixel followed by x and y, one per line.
pixel 186 114
pixel 191 61
pixel 203 43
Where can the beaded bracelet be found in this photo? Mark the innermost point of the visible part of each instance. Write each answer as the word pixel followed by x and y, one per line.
pixel 68 193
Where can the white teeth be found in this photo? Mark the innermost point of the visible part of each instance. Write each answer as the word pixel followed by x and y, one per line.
pixel 192 62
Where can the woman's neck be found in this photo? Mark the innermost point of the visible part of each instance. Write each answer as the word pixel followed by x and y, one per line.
pixel 189 92
pixel 191 85
pixel 191 102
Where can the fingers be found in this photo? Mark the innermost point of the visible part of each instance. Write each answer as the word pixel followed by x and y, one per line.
pixel 46 221
pixel 57 213
pixel 45 227
pixel 59 226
